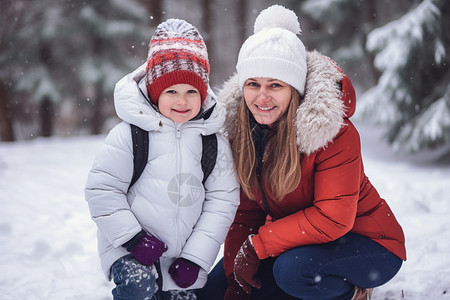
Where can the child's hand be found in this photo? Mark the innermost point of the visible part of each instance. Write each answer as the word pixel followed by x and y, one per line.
pixel 148 250
pixel 184 272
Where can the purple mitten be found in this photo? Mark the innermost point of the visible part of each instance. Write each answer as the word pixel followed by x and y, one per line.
pixel 184 272
pixel 146 248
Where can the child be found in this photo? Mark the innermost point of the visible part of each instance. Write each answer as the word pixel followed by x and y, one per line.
pixel 159 238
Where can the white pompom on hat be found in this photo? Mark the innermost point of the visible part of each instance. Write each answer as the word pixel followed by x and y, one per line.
pixel 274 50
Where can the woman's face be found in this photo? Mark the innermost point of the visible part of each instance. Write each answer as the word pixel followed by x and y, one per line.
pixel 267 99
pixel 180 102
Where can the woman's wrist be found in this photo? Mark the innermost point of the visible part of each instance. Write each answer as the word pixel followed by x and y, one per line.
pixel 258 245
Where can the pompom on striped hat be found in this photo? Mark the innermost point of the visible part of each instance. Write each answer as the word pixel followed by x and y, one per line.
pixel 177 55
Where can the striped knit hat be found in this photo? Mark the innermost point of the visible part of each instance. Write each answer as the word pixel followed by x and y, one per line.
pixel 177 54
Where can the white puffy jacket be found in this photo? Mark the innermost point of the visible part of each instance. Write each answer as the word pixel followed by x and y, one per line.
pixel 169 199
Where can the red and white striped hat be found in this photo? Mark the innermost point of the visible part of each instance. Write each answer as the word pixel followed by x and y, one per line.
pixel 177 54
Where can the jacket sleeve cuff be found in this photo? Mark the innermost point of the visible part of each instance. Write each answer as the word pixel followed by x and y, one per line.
pixel 259 246
pixel 134 241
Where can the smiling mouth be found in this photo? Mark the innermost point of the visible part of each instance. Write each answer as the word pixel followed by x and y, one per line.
pixel 265 108
pixel 181 111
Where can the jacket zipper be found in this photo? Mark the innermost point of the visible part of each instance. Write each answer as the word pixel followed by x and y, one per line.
pixel 178 163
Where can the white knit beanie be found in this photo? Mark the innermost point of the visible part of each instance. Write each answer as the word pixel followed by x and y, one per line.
pixel 274 50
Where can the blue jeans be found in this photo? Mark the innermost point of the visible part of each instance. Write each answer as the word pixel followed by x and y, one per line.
pixel 322 271
pixel 135 281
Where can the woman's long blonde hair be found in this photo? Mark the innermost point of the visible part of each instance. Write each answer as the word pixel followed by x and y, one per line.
pixel 281 171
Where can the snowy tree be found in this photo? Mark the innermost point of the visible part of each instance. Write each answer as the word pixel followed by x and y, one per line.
pixel 11 19
pixel 339 28
pixel 412 96
pixel 68 51
pixel 112 30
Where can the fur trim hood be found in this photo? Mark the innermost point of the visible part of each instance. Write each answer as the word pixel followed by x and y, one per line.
pixel 329 99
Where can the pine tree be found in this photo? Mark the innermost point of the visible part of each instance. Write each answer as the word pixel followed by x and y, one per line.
pixel 412 96
pixel 338 29
pixel 66 50
pixel 115 35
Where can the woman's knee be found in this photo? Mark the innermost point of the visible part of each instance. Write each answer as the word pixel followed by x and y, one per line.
pixel 291 269
pixel 302 275
pixel 133 280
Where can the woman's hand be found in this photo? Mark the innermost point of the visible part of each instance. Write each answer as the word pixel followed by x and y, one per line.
pixel 235 291
pixel 246 265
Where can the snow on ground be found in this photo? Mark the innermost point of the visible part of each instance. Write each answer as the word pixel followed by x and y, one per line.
pixel 48 241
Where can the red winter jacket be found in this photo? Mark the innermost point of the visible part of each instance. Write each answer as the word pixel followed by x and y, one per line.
pixel 334 196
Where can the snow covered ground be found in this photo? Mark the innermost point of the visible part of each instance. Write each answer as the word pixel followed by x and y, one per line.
pixel 48 242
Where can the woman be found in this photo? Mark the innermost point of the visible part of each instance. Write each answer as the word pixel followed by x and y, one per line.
pixel 310 224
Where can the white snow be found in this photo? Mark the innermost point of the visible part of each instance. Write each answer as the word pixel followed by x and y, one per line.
pixel 48 242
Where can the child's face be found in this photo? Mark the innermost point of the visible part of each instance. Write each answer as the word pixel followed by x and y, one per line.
pixel 180 102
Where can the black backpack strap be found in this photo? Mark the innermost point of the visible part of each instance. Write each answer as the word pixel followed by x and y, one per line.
pixel 209 154
pixel 140 152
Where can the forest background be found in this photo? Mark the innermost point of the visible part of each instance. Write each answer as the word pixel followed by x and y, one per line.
pixel 60 60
